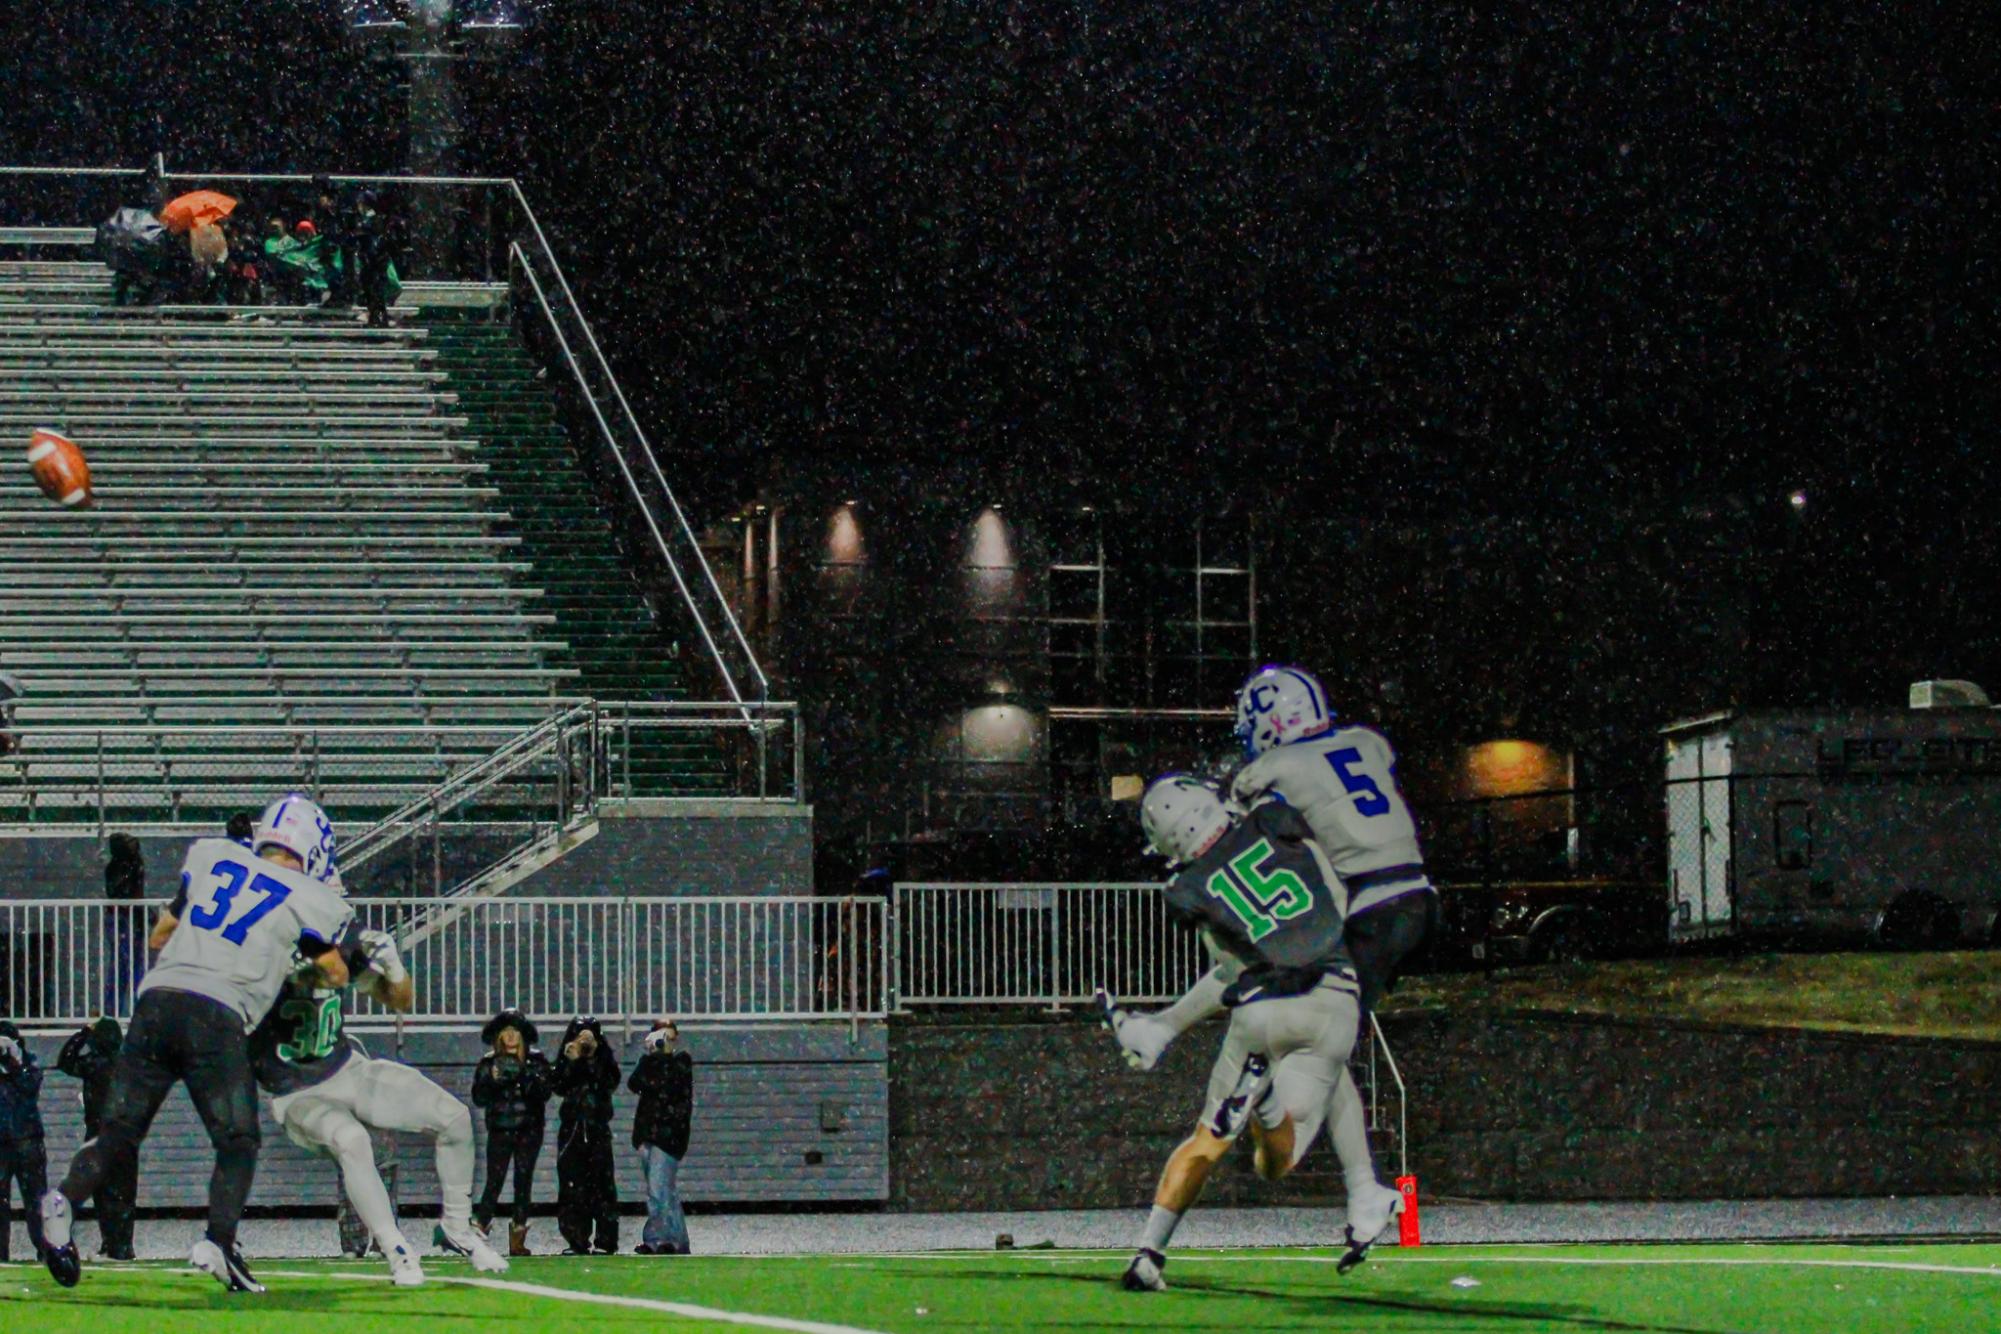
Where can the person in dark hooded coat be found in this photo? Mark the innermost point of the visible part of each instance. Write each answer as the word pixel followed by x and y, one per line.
pixel 88 1056
pixel 587 1074
pixel 23 1161
pixel 512 1086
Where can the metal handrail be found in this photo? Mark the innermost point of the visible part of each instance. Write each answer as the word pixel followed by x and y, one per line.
pixel 764 684
pixel 465 785
pixel 632 484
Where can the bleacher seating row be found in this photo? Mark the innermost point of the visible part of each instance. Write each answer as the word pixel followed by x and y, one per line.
pixel 302 523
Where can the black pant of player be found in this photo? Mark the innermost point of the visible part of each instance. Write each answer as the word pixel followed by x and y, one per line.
pixel 522 1148
pixel 115 1201
pixel 23 1162
pixel 586 1187
pixel 179 1037
pixel 1381 938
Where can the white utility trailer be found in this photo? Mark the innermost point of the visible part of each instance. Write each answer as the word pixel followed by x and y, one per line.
pixel 1838 826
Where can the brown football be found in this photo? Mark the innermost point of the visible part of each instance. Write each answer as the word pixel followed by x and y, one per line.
pixel 59 468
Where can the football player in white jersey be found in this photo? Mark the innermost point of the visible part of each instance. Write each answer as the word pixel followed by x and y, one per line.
pixel 1342 778
pixel 328 1095
pixel 227 945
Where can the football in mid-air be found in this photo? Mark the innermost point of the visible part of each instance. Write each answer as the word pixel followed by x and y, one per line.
pixel 59 468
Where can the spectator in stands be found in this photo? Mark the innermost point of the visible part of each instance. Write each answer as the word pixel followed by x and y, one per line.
pixel 23 1160
pixel 587 1076
pixel 333 218
pixel 664 1079
pixel 373 252
pixel 11 690
pixel 512 1085
pixel 87 1056
pixel 125 925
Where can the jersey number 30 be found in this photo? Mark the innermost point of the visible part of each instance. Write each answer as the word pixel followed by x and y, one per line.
pixel 229 878
pixel 1257 899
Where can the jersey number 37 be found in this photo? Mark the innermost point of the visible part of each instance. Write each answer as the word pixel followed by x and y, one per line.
pixel 229 882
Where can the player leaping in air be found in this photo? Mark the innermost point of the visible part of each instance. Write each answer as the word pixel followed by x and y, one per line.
pixel 1342 777
pixel 234 933
pixel 1271 910
pixel 328 1094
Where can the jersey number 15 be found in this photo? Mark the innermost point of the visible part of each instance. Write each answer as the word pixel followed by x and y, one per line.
pixel 1258 899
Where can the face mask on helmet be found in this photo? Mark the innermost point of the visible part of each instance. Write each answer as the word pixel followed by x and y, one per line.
pixel 1278 705
pixel 296 824
pixel 1183 817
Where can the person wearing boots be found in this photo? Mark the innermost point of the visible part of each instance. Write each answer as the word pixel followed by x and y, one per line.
pixel 88 1056
pixel 664 1079
pixel 587 1075
pixel 512 1085
pixel 23 1161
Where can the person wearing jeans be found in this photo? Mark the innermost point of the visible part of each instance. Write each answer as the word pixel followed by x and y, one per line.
pixel 664 1079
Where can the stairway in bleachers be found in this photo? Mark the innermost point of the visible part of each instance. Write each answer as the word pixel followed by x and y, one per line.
pixel 295 529
pixel 618 647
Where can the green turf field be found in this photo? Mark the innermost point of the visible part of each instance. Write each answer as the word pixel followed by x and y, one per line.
pixel 1469 1290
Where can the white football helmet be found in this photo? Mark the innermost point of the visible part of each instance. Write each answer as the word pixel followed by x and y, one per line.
pixel 1280 704
pixel 295 823
pixel 1183 817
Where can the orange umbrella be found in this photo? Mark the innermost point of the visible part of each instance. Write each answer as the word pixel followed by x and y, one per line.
pixel 194 208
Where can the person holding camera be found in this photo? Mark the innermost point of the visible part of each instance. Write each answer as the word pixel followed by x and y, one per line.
pixel 23 1161
pixel 587 1076
pixel 88 1057
pixel 512 1084
pixel 664 1079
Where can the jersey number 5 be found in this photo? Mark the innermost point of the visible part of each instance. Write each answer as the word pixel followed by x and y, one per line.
pixel 229 878
pixel 1257 899
pixel 1369 799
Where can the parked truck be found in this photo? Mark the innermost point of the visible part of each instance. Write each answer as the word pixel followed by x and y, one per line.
pixel 1842 826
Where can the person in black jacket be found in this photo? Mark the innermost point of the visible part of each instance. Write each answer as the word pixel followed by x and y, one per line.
pixel 587 1075
pixel 664 1079
pixel 88 1056
pixel 125 926
pixel 23 1161
pixel 512 1083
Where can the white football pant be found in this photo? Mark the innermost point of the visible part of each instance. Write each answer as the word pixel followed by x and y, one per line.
pixel 334 1118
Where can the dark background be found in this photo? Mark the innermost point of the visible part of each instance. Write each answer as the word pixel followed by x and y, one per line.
pixel 1516 332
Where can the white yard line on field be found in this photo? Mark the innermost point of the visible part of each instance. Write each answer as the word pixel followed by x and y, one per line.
pixel 681 1309
pixel 1391 1256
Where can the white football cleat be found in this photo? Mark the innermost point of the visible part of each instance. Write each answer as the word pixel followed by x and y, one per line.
pixel 59 1248
pixel 224 1266
pixel 1368 1218
pixel 405 1270
pixel 464 1239
pixel 1143 1274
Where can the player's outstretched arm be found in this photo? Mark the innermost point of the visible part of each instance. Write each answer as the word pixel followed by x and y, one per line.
pixel 389 981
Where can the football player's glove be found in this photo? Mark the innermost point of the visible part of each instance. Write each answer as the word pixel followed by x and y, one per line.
pixel 1141 1037
pixel 383 956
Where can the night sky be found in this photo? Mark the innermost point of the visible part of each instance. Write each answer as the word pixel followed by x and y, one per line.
pixel 1517 332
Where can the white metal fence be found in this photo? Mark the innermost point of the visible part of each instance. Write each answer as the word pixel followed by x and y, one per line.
pixel 1042 944
pixel 62 962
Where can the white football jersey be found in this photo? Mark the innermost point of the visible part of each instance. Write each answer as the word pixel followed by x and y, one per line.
pixel 241 921
pixel 1344 782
